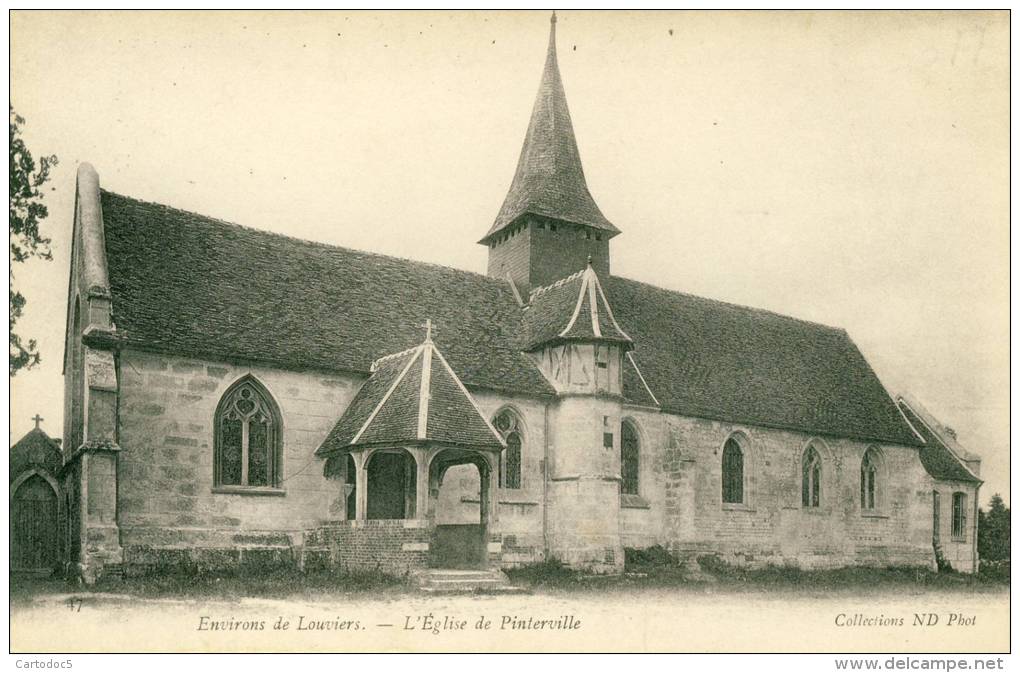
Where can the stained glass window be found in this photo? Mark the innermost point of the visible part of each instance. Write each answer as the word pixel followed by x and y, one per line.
pixel 247 446
pixel 629 459
pixel 510 462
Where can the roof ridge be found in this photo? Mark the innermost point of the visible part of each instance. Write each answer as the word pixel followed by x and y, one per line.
pixel 385 398
pixel 730 304
pixel 37 431
pixel 940 430
pixel 378 361
pixel 467 394
pixel 919 411
pixel 535 292
pixel 562 281
pixel 296 239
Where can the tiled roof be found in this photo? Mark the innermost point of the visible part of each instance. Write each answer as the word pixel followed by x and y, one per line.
pixel 412 397
pixel 549 180
pixel 635 388
pixel 190 285
pixel 939 459
pixel 35 449
pixel 573 308
pixel 710 359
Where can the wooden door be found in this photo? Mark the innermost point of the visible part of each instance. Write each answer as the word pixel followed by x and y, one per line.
pixel 34 526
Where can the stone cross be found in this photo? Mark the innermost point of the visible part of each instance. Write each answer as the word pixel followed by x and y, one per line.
pixel 38 419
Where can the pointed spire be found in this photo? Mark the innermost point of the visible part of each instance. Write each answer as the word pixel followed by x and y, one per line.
pixel 549 180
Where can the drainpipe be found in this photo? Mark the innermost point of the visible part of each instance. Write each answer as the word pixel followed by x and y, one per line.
pixel 545 483
pixel 974 549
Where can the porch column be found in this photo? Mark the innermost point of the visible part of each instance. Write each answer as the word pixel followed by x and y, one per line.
pixel 493 493
pixel 484 507
pixel 489 496
pixel 421 483
pixel 360 485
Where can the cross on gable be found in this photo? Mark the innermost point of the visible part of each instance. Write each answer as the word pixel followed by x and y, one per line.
pixel 38 419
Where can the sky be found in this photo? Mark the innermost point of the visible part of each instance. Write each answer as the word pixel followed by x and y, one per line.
pixel 846 168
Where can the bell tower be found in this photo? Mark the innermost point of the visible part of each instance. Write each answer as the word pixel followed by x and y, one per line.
pixel 549 226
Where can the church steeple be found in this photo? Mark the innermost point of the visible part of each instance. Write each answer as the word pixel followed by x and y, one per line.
pixel 549 185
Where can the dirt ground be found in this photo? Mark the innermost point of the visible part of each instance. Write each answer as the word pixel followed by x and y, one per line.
pixel 708 618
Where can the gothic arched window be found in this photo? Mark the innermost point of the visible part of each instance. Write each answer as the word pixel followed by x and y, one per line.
pixel 508 425
pixel 811 478
pixel 869 480
pixel 247 450
pixel 630 450
pixel 732 472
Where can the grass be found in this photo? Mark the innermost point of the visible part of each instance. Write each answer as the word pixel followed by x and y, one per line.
pixel 656 568
pixel 232 584
pixel 850 579
pixel 652 568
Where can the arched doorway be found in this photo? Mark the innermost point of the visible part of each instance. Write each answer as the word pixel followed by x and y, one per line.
pixel 34 525
pixel 460 482
pixel 391 485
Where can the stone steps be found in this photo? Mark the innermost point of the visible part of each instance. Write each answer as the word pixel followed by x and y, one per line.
pixel 456 581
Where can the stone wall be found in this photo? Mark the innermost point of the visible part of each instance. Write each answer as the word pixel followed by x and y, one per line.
pixel 642 518
pixel 166 501
pixel 166 498
pixel 394 546
pixel 959 550
pixel 583 496
pixel 772 527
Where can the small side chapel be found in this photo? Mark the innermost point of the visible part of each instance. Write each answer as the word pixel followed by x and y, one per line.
pixel 37 503
pixel 365 412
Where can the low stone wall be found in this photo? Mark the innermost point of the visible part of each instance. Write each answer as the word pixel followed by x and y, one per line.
pixel 396 546
pixel 141 559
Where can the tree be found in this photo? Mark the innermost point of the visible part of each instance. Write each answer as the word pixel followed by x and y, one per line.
pixel 993 531
pixel 27 211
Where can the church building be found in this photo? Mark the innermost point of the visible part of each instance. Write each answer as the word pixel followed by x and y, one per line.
pixel 236 397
